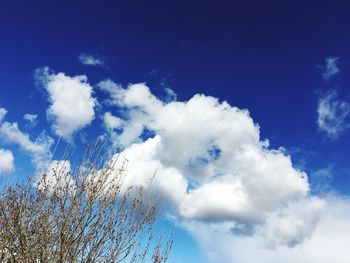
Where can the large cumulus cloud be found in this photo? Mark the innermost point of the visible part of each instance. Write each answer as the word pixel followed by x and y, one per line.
pixel 211 164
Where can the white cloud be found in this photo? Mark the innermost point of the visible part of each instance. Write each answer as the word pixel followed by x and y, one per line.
pixel 321 180
pixel 31 119
pixel 3 113
pixel 169 184
pixel 90 60
pixel 288 226
pixel 6 162
pixel 333 114
pixel 170 94
pixel 11 133
pixel 328 241
pixel 72 104
pixel 111 122
pixel 330 68
pixel 56 177
pixel 39 149
pixel 213 166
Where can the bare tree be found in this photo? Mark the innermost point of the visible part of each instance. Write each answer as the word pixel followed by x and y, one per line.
pixel 86 214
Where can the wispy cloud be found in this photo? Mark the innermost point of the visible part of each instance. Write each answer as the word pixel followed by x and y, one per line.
pixel 3 113
pixel 38 149
pixel 90 60
pixel 321 179
pixel 111 122
pixel 32 119
pixel 333 114
pixel 330 68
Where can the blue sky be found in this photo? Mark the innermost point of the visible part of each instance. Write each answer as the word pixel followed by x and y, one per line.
pixel 233 102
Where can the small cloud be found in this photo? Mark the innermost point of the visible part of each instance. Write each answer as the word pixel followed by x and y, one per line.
pixel 32 119
pixel 72 105
pixel 6 162
pixel 333 114
pixel 330 68
pixel 153 72
pixel 170 94
pixel 90 60
pixel 111 122
pixel 3 112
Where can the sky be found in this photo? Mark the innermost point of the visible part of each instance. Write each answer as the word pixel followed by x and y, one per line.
pixel 242 108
